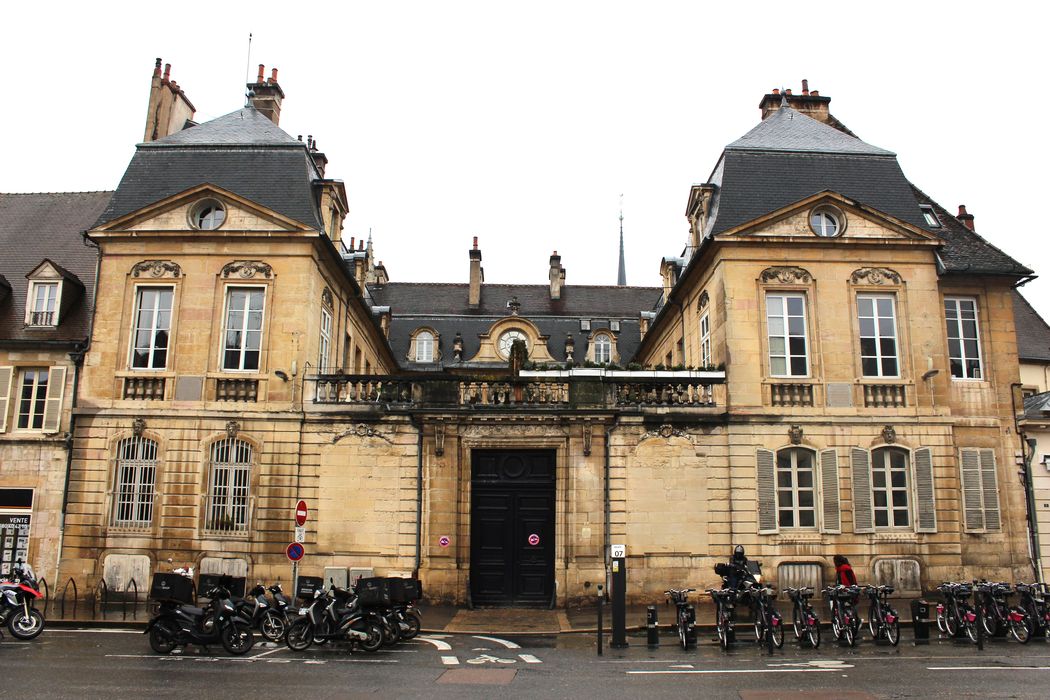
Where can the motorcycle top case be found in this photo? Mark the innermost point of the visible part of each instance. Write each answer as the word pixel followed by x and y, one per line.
pixel 308 585
pixel 404 590
pixel 175 587
pixel 235 584
pixel 373 591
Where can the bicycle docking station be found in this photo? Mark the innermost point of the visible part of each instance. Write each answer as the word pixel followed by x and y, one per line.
pixel 618 582
pixel 652 627
pixel 601 626
pixel 920 621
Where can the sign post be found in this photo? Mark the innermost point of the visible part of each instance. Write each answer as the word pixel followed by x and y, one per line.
pixel 618 554
pixel 296 550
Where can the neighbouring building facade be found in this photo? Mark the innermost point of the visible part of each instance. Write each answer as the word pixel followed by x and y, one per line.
pixel 830 366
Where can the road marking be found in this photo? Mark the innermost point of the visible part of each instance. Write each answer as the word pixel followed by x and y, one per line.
pixel 102 631
pixel 529 659
pixel 450 660
pixel 741 670
pixel 820 663
pixel 267 653
pixel 505 642
pixel 489 659
pixel 682 666
pixel 438 644
pixel 988 668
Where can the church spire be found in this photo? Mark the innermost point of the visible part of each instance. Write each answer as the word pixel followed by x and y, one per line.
pixel 621 278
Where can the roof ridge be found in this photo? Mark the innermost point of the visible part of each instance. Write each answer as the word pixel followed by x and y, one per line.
pixel 12 194
pixel 512 284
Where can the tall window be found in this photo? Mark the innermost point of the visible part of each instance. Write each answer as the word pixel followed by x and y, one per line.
pixel 43 301
pixel 602 348
pixel 705 340
pixel 32 399
pixel 796 493
pixel 878 336
pixel 424 346
pixel 228 486
pixel 326 340
pixel 786 326
pixel 964 346
pixel 889 486
pixel 136 477
pixel 244 322
pixel 149 340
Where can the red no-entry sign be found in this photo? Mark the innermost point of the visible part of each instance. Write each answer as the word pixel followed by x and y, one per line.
pixel 300 513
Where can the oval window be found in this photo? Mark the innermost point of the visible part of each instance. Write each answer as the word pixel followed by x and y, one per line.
pixel 826 222
pixel 208 215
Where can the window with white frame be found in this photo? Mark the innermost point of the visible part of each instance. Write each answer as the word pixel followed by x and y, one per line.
pixel 135 481
pixel 705 340
pixel 150 336
pixel 242 337
pixel 602 348
pixel 43 304
pixel 964 340
pixel 228 486
pixel 889 487
pixel 424 346
pixel 326 340
pixel 32 398
pixel 786 330
pixel 796 489
pixel 877 318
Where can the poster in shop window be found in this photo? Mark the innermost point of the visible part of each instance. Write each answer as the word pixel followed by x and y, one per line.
pixel 14 540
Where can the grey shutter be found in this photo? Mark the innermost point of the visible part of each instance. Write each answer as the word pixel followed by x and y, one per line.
pixel 925 506
pixel 863 516
pixel 767 491
pixel 7 375
pixel 972 494
pixel 990 489
pixel 56 387
pixel 829 490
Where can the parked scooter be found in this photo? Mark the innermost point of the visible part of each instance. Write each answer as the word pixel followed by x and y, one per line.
pixel 261 614
pixel 18 595
pixel 335 615
pixel 279 616
pixel 178 624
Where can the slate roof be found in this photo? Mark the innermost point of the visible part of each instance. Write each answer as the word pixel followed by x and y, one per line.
pixel 1037 406
pixel 789 130
pixel 243 152
pixel 444 308
pixel 1033 333
pixel 39 226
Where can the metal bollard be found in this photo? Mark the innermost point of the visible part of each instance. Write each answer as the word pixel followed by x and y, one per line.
pixel 980 627
pixel 652 627
pixel 601 607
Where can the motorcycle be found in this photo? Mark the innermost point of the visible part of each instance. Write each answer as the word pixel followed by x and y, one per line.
pixel 178 624
pixel 278 617
pixel 335 615
pixel 261 613
pixel 17 597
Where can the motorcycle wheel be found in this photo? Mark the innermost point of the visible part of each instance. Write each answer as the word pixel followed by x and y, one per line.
pixel 273 626
pixel 237 638
pixel 414 625
pixel 161 639
pixel 375 637
pixel 26 627
pixel 391 633
pixel 300 635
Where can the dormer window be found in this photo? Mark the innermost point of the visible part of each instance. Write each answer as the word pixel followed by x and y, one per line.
pixel 42 309
pixel 928 214
pixel 827 222
pixel 423 346
pixel 207 215
pixel 602 348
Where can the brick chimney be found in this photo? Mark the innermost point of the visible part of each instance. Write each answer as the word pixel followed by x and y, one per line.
pixel 266 95
pixel 810 103
pixel 477 276
pixel 169 109
pixel 557 276
pixel 966 218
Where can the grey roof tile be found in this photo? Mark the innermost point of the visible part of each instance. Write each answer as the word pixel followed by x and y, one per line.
pixel 788 130
pixel 242 127
pixel 1033 333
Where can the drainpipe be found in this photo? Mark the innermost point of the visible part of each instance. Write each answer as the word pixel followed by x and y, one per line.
pixel 608 503
pixel 419 493
pixel 1029 489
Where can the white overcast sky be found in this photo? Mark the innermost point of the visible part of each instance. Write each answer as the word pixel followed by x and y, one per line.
pixel 522 123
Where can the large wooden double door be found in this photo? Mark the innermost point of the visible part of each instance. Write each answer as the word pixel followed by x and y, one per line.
pixel 512 527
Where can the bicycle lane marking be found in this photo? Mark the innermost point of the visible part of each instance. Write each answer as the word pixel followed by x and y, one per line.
pixel 438 644
pixel 716 671
pixel 988 668
pixel 505 642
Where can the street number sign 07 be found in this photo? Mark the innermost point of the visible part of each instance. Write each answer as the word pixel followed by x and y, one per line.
pixel 619 551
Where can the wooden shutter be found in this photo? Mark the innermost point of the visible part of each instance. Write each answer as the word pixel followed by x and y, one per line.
pixel 991 490
pixel 972 492
pixel 863 515
pixel 56 387
pixel 767 491
pixel 7 377
pixel 829 490
pixel 925 506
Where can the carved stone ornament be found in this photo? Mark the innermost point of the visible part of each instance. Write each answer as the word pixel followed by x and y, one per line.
pixel 232 428
pixel 489 430
pixel 439 439
pixel 361 430
pixel 570 348
pixel 889 435
pixel 665 431
pixel 875 275
pixel 795 434
pixel 156 269
pixel 786 275
pixel 326 297
pixel 587 436
pixel 704 299
pixel 137 427
pixel 457 347
pixel 247 269
pixel 514 305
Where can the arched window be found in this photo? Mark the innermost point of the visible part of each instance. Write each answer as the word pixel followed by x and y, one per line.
pixel 228 486
pixel 889 487
pixel 134 484
pixel 796 489
pixel 602 348
pixel 424 346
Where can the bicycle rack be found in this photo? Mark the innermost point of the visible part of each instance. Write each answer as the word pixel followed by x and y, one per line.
pixel 101 596
pixel 62 600
pixel 135 601
pixel 47 593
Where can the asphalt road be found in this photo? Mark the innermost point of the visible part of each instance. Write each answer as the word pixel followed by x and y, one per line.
pixel 65 663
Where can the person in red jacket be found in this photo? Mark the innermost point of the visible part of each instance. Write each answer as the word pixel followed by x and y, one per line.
pixel 844 575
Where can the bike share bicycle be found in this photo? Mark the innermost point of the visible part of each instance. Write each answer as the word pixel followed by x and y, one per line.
pixel 685 619
pixel 1037 611
pixel 883 620
pixel 955 615
pixel 996 614
pixel 845 622
pixel 804 620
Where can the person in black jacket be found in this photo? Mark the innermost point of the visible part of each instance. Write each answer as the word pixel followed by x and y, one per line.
pixel 735 572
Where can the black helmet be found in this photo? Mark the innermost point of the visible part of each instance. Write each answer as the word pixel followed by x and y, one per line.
pixel 738 553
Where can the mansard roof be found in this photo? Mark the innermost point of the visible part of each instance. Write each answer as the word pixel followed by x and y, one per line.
pixel 47 226
pixel 1033 333
pixel 789 130
pixel 242 152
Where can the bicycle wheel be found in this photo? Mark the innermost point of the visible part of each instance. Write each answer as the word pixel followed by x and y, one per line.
pixel 798 624
pixel 893 631
pixel 723 630
pixel 683 624
pixel 971 630
pixel 1021 629
pixel 848 634
pixel 875 622
pixel 813 631
pixel 836 623
pixel 776 628
pixel 988 620
pixel 951 623
pixel 759 624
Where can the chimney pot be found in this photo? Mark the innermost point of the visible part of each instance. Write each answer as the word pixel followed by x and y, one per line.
pixel 962 210
pixel 787 91
pixel 167 70
pixel 475 242
pixel 156 69
pixel 966 218
pixel 360 245
pixel 815 93
pixel 352 242
pixel 776 91
pixel 273 76
pixel 262 69
pixel 805 86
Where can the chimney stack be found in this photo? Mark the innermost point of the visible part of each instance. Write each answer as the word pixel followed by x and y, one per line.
pixel 557 276
pixel 966 218
pixel 477 276
pixel 810 103
pixel 169 109
pixel 266 95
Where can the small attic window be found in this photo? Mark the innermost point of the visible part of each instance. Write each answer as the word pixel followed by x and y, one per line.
pixel 827 222
pixel 585 325
pixel 931 218
pixel 207 215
